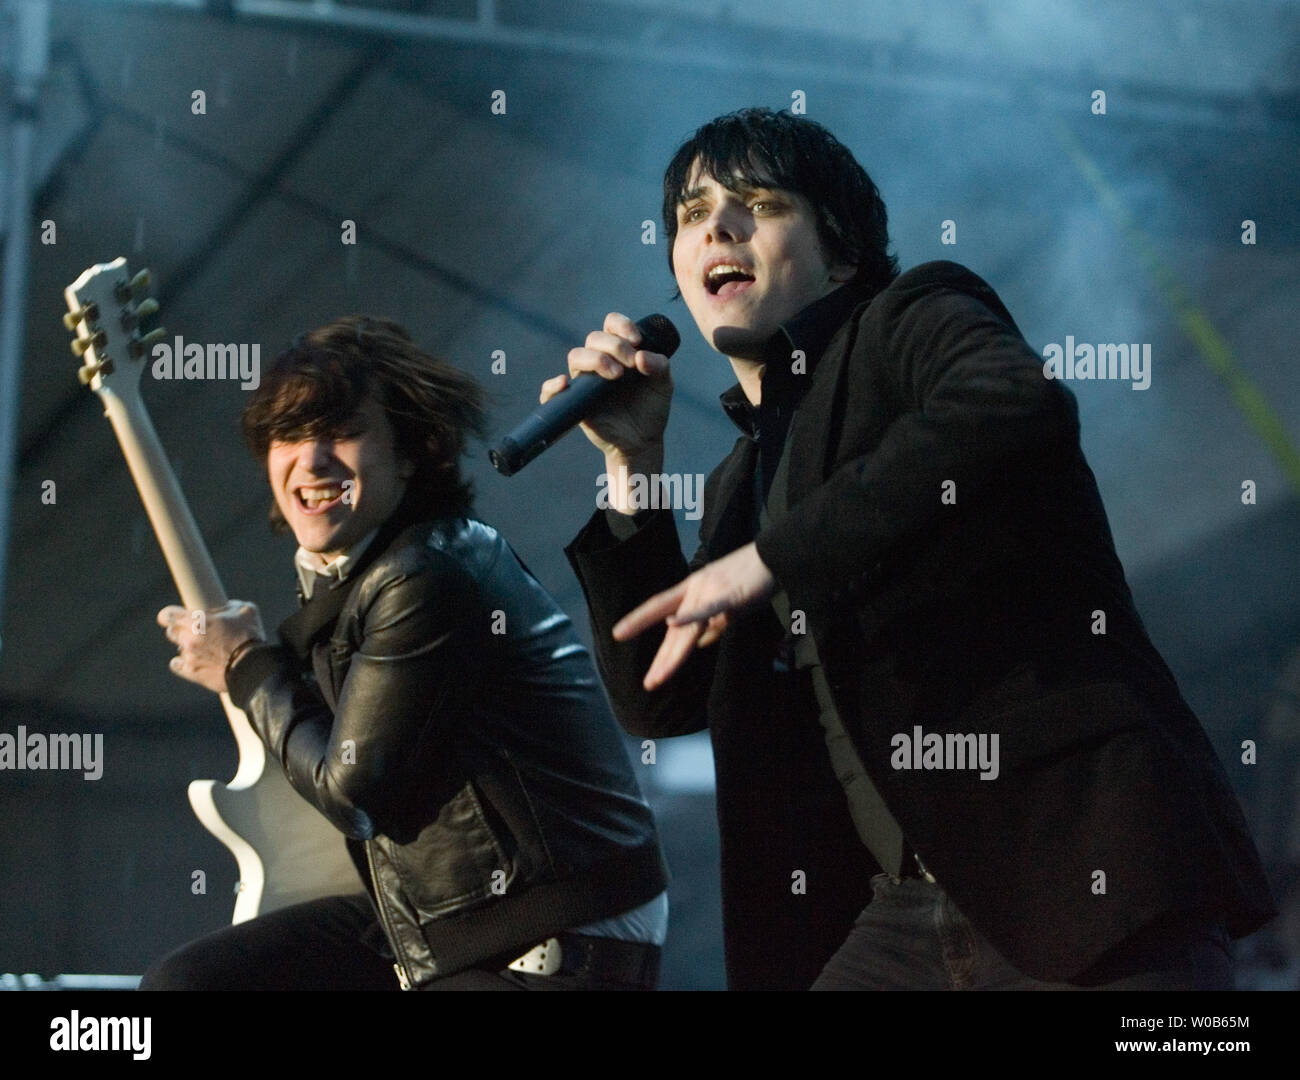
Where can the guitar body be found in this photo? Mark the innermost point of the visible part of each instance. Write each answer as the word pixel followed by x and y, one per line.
pixel 285 850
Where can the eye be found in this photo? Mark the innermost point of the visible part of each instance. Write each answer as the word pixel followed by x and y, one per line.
pixel 693 213
pixel 343 433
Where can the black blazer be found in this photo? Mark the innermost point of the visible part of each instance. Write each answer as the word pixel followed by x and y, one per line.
pixel 982 614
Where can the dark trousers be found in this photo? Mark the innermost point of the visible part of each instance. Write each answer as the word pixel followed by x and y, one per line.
pixel 334 943
pixel 912 937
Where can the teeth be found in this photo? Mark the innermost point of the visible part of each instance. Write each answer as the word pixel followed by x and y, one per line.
pixel 727 268
pixel 312 497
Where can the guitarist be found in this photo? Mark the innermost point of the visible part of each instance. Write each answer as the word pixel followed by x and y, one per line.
pixel 430 699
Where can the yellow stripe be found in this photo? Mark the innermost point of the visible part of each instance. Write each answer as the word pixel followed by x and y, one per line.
pixel 1214 349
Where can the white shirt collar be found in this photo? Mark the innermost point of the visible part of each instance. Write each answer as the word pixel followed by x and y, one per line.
pixel 310 565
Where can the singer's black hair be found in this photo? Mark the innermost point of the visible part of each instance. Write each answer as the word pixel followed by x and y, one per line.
pixel 315 387
pixel 762 148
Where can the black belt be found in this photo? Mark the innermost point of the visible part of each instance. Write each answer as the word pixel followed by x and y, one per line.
pixel 632 962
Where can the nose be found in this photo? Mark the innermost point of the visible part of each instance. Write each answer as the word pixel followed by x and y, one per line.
pixel 724 223
pixel 316 454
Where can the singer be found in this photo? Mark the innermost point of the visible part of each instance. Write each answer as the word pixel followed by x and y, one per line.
pixel 430 699
pixel 906 538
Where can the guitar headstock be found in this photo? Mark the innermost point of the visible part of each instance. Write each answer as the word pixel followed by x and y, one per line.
pixel 105 308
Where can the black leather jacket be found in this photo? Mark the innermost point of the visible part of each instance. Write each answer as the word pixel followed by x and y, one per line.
pixel 451 722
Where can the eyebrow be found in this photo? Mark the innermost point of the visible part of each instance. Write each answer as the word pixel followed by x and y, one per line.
pixel 700 192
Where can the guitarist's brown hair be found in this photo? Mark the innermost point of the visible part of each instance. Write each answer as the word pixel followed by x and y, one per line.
pixel 316 386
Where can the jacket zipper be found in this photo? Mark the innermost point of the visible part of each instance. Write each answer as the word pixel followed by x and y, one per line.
pixel 403 978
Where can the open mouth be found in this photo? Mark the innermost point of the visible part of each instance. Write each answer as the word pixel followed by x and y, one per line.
pixel 319 498
pixel 726 279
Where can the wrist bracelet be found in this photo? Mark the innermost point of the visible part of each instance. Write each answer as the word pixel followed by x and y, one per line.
pixel 239 651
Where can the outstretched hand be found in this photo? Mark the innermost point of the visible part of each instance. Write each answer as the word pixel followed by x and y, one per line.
pixel 696 609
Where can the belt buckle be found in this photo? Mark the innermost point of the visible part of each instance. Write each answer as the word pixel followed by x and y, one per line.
pixel 543 959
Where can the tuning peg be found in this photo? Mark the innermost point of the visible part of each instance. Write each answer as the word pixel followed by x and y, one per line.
pixel 123 291
pixel 87 373
pixel 142 345
pixel 132 319
pixel 90 313
pixel 98 339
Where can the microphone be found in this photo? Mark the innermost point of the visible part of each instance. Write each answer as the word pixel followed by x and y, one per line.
pixel 583 396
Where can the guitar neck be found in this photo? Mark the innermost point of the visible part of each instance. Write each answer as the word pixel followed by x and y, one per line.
pixel 103 313
pixel 187 557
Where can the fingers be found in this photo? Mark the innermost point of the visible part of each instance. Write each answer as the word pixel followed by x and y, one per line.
pixel 624 329
pixel 621 326
pixel 236 618
pixel 586 361
pixel 603 353
pixel 608 353
pixel 172 620
pixel 700 611
pixel 551 387
pixel 677 645
pixel 679 638
pixel 170 614
pixel 583 360
pixel 717 624
pixel 175 620
pixel 651 363
pixel 655 610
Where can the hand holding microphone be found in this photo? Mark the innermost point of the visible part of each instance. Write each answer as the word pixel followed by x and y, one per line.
pixel 618 387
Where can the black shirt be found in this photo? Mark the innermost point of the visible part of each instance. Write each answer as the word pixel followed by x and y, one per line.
pixel 793 356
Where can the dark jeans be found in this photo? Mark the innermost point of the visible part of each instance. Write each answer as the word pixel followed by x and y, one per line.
pixel 912 937
pixel 335 943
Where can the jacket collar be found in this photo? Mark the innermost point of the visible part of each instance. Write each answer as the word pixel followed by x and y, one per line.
pixel 810 331
pixel 311 566
pixel 301 630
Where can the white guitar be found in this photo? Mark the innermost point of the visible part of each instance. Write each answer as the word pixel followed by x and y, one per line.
pixel 286 851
